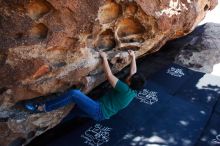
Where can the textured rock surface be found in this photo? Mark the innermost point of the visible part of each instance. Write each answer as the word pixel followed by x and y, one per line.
pixel 49 46
pixel 200 50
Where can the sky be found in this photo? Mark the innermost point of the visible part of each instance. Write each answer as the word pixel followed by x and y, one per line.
pixel 213 16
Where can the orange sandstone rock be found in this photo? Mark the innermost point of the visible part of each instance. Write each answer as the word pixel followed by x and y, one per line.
pixel 109 12
pixel 39 31
pixel 41 71
pixel 38 8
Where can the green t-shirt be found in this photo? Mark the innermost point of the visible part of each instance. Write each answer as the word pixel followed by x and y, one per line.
pixel 117 99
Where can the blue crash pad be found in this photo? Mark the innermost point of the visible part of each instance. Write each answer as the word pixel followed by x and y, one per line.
pixel 152 98
pixel 93 133
pixel 179 124
pixel 211 134
pixel 154 117
pixel 172 77
pixel 217 109
pixel 173 109
pixel 203 89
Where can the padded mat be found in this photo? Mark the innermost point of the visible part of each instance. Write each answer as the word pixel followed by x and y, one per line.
pixel 203 89
pixel 172 77
pixel 175 108
pixel 154 117
pixel 211 134
pixel 179 125
pixel 217 109
pixel 166 126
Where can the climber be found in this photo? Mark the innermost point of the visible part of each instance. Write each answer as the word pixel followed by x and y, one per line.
pixel 105 107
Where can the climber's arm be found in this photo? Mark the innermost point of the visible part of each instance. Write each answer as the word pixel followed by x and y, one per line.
pixel 133 68
pixel 110 76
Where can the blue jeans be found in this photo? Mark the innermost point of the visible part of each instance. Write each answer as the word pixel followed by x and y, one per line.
pixel 88 107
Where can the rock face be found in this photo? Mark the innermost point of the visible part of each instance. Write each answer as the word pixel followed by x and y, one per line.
pixel 199 51
pixel 50 46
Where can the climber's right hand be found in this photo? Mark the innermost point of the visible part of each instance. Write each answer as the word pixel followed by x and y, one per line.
pixel 103 54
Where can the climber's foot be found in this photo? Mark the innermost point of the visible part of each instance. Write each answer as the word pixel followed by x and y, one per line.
pixel 35 107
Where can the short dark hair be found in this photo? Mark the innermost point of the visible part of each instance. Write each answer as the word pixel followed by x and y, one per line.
pixel 137 81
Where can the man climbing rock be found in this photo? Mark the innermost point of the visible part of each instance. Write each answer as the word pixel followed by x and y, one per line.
pixel 106 106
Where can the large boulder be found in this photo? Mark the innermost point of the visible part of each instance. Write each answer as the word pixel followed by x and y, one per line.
pixel 50 46
pixel 198 50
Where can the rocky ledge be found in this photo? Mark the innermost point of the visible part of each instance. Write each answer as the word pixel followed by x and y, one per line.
pixel 50 46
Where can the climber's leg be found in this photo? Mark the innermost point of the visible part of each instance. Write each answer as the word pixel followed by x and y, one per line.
pixel 89 106
pixel 58 102
pixel 49 104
